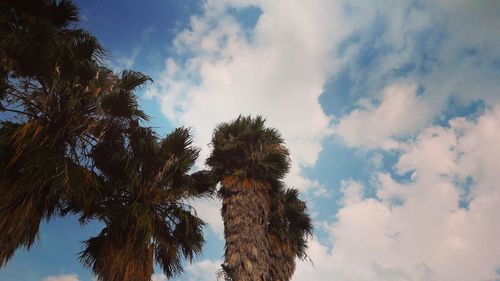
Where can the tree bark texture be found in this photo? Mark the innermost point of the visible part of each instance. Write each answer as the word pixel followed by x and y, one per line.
pixel 245 210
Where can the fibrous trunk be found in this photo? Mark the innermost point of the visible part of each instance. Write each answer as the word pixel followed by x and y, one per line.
pixel 245 210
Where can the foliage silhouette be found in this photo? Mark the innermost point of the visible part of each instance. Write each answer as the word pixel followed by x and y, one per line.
pixel 72 141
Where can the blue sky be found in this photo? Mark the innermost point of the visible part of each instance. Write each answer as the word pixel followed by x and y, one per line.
pixel 391 111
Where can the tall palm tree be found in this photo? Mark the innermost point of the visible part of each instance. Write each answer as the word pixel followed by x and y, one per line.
pixel 146 213
pixel 289 228
pixel 249 159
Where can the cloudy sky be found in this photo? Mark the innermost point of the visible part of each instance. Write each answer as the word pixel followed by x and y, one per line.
pixel 391 111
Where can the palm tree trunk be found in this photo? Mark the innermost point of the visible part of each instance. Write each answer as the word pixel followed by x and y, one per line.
pixel 245 210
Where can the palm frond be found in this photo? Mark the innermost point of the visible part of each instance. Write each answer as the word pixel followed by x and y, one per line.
pixel 65 12
pixel 168 257
pixel 289 228
pixel 86 47
pixel 290 220
pixel 200 184
pixel 20 218
pixel 178 156
pixel 32 189
pixel 131 80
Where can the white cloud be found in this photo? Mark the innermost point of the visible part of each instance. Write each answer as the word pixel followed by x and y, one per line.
pixel 66 277
pixel 427 235
pixel 280 68
pixel 400 112
pixel 209 211
pixel 205 270
pixel 353 192
pixel 440 46
pixel 279 71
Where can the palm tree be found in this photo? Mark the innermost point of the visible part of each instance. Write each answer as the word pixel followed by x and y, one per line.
pixel 249 159
pixel 61 101
pixel 289 228
pixel 146 213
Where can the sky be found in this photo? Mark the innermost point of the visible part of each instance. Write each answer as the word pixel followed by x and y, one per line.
pixel 390 109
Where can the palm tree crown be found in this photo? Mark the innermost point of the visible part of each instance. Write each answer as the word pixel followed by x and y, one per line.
pixel 246 149
pixel 146 215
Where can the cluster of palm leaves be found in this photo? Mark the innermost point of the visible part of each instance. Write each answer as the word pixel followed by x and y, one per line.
pixel 73 141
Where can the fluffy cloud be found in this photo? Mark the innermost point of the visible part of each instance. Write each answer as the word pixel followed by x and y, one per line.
pixel 438 228
pixel 437 44
pixel 443 51
pixel 400 112
pixel 209 211
pixel 280 67
pixel 277 71
pixel 67 277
